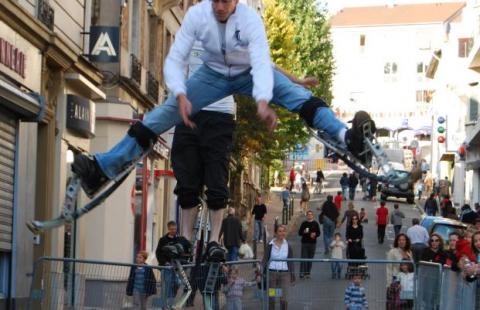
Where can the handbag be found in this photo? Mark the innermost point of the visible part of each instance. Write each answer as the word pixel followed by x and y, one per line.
pixel 245 251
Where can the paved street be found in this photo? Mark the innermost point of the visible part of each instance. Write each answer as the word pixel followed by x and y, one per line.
pixel 321 292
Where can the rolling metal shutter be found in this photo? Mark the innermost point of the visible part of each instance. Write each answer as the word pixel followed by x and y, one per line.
pixel 8 132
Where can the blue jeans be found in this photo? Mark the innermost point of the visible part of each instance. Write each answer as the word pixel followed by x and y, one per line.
pixel 336 268
pixel 169 287
pixel 204 87
pixel 232 253
pixel 344 191
pixel 258 230
pixel 328 232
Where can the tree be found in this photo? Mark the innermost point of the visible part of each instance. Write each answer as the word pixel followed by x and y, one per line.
pixel 314 48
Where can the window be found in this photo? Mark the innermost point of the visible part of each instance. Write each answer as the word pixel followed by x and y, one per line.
pixel 473 110
pixel 4 274
pixel 362 40
pixel 424 96
pixel 464 47
pixel 390 70
pixel 421 67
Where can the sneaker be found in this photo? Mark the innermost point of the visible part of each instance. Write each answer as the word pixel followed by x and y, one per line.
pixel 354 136
pixel 90 174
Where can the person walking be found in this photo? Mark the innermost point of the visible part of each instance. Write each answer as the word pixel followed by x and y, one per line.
pixel 291 178
pixel 419 237
pixel 431 205
pixel 304 198
pixel 344 184
pixel 338 201
pixel 349 214
pixel 259 210
pixel 309 231
pixel 319 181
pixel 382 221
pixel 328 218
pixel 352 185
pixel 282 273
pixel 285 197
pixel 396 219
pixel 231 231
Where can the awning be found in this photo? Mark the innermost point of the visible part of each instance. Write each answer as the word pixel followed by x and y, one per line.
pixel 448 157
pixel 19 101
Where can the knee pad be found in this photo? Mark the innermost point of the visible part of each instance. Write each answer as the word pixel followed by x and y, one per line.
pixel 307 112
pixel 145 136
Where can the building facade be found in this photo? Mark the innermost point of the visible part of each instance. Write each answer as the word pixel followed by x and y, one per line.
pixel 41 67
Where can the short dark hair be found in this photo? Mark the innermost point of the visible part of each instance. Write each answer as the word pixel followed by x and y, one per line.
pixel 329 198
pixel 382 203
pixel 454 233
pixel 339 193
pixel 171 223
pixel 407 263
pixel 395 206
pixel 415 221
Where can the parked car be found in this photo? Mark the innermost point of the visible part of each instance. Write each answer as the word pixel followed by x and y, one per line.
pixel 404 190
pixel 442 226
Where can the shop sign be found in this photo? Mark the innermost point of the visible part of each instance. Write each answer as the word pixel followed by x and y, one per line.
pixel 161 149
pixel 19 59
pixel 80 115
pixel 104 44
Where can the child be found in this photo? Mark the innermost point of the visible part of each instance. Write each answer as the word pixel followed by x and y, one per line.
pixel 363 216
pixel 234 289
pixel 355 298
pixel 337 247
pixel 405 276
pixel 141 282
pixel 338 200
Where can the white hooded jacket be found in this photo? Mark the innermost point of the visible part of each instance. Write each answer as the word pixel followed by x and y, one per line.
pixel 246 47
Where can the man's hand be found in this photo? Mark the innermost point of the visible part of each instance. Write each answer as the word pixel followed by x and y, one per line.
pixel 267 115
pixel 309 81
pixel 185 109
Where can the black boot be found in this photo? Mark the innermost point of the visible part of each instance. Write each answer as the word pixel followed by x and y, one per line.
pixel 354 137
pixel 91 175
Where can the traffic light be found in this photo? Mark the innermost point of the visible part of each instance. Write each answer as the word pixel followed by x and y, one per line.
pixel 441 129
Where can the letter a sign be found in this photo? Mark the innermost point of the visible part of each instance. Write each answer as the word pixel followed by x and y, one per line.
pixel 104 44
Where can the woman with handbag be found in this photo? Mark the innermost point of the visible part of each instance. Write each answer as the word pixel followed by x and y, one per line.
pixel 281 273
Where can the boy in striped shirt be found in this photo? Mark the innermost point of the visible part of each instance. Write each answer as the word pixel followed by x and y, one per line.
pixel 355 298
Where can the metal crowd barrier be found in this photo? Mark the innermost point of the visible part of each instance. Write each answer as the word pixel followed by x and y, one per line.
pixel 320 290
pixel 62 283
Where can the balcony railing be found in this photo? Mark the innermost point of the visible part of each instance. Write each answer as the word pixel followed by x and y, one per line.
pixel 46 14
pixel 136 70
pixel 152 86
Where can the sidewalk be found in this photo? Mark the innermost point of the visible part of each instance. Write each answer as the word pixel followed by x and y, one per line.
pixel 274 209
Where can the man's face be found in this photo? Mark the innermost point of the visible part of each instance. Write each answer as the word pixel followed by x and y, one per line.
pixel 223 9
pixel 452 242
pixel 310 216
pixel 172 230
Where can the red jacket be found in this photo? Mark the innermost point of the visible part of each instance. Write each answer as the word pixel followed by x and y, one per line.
pixel 382 216
pixel 338 201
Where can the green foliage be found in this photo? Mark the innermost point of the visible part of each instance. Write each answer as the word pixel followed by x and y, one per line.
pixel 314 49
pixel 299 43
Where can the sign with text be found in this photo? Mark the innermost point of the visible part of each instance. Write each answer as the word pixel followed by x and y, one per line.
pixel 19 59
pixel 81 115
pixel 104 44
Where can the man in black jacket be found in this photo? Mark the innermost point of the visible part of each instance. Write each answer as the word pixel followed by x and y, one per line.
pixel 309 231
pixel 328 217
pixel 170 286
pixel 431 205
pixel 352 185
pixel 231 231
